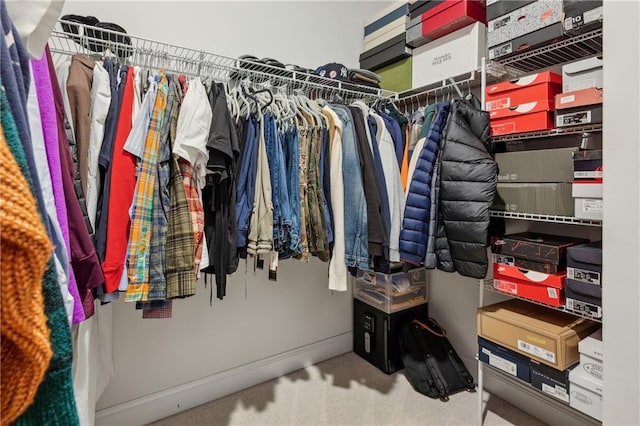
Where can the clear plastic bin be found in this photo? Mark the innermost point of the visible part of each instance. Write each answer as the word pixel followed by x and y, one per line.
pixel 392 292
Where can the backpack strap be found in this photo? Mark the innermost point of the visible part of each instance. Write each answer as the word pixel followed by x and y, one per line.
pixel 461 371
pixel 440 332
pixel 432 367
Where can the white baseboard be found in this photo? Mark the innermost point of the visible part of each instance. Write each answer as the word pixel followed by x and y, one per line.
pixel 158 405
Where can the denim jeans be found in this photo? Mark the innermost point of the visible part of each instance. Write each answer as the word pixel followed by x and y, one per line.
pixel 355 206
pixel 290 147
pixel 245 190
pixel 325 182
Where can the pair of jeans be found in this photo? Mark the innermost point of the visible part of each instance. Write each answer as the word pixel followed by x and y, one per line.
pixel 318 244
pixel 325 182
pixel 290 146
pixel 355 205
pixel 247 182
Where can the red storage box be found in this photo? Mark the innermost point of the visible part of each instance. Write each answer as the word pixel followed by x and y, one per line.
pixel 540 87
pixel 523 105
pixel 543 288
pixel 450 16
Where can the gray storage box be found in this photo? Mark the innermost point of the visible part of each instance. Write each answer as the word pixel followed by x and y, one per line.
pixel 541 37
pixel 541 166
pixel 524 20
pixel 582 74
pixel 536 198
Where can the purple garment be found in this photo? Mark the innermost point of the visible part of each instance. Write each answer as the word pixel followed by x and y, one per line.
pixel 50 131
pixel 84 260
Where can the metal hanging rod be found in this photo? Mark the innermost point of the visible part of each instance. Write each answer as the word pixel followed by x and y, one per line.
pixel 181 60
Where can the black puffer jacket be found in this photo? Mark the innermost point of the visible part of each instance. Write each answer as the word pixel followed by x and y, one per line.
pixel 468 179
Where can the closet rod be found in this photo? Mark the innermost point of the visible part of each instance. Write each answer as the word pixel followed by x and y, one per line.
pixel 85 39
pixel 441 87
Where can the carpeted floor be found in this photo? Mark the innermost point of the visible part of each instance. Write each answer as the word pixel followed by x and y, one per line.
pixel 345 390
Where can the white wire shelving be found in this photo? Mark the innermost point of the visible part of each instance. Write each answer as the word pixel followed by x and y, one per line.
pixel 568 220
pixel 562 131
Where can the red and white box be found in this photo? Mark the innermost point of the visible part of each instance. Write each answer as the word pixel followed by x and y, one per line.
pixel 523 105
pixel 543 288
pixel 451 15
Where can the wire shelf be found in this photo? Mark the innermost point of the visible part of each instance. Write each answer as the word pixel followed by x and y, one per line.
pixel 567 50
pixel 545 218
pixel 562 131
pixel 181 60
pixel 488 285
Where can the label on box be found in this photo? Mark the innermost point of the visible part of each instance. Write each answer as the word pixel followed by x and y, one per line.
pixel 499 51
pixel 537 351
pixel 567 99
pixel 592 15
pixel 499 103
pixel 499 23
pixel 590 277
pixel 588 175
pixel 505 260
pixel 568 24
pixel 552 293
pixel 574 118
pixel 594 369
pixel 507 287
pixel 504 365
pixel 590 309
pixel 556 391
pixel 592 205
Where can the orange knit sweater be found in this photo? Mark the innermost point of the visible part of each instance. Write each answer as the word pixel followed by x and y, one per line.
pixel 24 252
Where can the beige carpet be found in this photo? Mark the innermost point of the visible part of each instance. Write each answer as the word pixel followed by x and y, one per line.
pixel 345 390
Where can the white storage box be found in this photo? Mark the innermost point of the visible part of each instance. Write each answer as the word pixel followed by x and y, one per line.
pixel 582 75
pixel 585 394
pixel 591 354
pixel 586 190
pixel 385 33
pixel 455 54
pixel 588 208
pixel 392 292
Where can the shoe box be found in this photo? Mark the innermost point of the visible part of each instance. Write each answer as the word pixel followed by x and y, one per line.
pixel 579 108
pixel 584 279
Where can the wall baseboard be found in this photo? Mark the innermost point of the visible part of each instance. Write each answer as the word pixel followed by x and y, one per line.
pixel 162 404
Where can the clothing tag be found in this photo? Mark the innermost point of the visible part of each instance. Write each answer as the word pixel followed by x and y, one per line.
pixel 259 262
pixel 273 266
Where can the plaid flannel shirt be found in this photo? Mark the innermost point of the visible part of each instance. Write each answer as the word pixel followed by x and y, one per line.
pixel 138 249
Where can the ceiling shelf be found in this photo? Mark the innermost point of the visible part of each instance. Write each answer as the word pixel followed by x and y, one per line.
pixel 545 218
pixel 488 285
pixel 563 131
pixel 567 50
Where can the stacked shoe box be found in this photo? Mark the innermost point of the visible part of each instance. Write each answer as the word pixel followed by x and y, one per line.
pixel 515 26
pixel 536 182
pixel 450 39
pixel 584 279
pixel 382 304
pixel 587 184
pixel 587 379
pixel 385 47
pixel 525 104
pixel 532 266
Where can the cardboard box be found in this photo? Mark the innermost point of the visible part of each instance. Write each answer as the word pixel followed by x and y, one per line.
pixel 535 198
pixel 444 18
pixel 551 381
pixel 375 334
pixel 504 359
pixel 385 33
pixel 390 13
pixel 579 107
pixel 585 394
pixel 581 16
pixel 414 33
pixel 496 8
pixel 538 247
pixel 540 87
pixel 584 285
pixel 392 292
pixel 452 55
pixel 396 76
pixel 418 8
pixel 392 54
pixel 542 37
pixel 591 356
pixel 525 20
pixel 515 274
pixel 548 336
pixel 538 292
pixel 545 268
pixel 582 74
pixel 587 165
pixel 535 116
pixel 586 190
pixel 588 208
pixel 540 166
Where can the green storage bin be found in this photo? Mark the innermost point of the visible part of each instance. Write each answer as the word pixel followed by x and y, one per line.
pixel 396 76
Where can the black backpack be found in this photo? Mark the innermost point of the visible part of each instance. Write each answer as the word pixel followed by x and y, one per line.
pixel 431 364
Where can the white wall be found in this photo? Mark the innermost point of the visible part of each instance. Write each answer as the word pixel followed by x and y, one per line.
pixel 621 238
pixel 275 317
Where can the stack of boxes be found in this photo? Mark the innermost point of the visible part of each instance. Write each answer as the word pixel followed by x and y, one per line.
pixel 532 266
pixel 536 182
pixel 385 47
pixel 381 305
pixel 587 379
pixel 536 344
pixel 584 279
pixel 580 102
